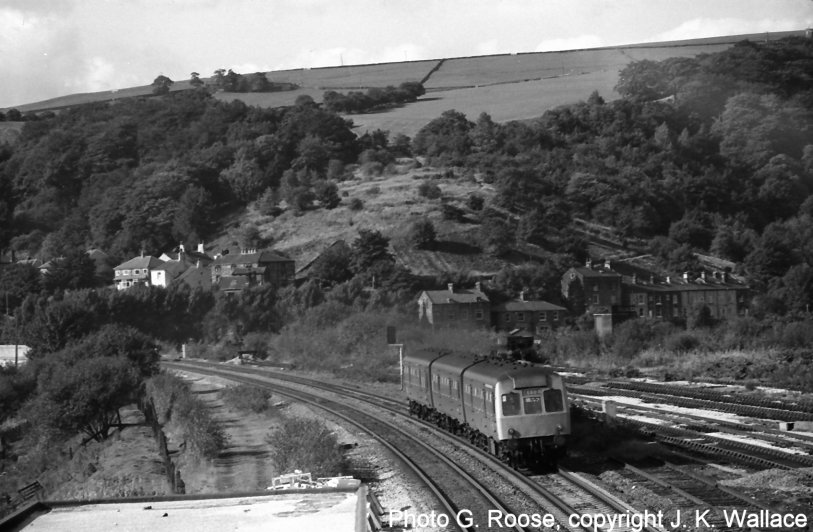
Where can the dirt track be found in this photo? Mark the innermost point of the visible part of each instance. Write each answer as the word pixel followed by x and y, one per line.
pixel 244 465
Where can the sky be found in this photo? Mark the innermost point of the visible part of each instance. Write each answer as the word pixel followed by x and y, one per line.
pixel 50 48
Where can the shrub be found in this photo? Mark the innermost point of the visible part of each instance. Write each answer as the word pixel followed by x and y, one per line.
pixel 356 204
pixel 246 397
pixel 373 191
pixel 682 342
pixel 307 445
pixel 429 190
pixel 475 202
pixel 422 234
pixel 372 169
pixel 178 408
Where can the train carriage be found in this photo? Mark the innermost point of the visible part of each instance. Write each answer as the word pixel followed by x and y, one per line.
pixel 512 410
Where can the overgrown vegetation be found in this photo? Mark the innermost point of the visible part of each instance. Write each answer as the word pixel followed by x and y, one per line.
pixel 246 397
pixel 186 417
pixel 306 445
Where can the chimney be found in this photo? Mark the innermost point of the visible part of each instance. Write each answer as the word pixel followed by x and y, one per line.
pixel 197 265
pixel 450 286
pixel 182 250
pixel 724 275
pixel 607 264
pixel 651 279
pixel 634 278
pixel 522 295
pixel 703 276
pixel 668 279
pixel 478 286
pixel 200 247
pixel 686 276
pixel 588 263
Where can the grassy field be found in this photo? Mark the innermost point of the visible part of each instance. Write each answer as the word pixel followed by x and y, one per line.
pixel 355 76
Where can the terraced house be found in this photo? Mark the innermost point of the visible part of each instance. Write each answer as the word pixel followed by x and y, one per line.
pixel 455 307
pixel 234 272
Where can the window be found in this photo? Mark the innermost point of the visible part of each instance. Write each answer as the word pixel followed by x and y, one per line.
pixel 118 273
pixel 532 404
pixel 520 316
pixel 510 404
pixel 478 313
pixel 126 272
pixel 543 316
pixel 455 390
pixel 553 400
pixel 641 299
pixel 555 315
pixel 595 299
pixel 435 383
pixel 451 313
pixel 595 287
pixel 467 389
pixel 508 316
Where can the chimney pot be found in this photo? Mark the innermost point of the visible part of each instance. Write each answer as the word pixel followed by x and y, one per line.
pixel 703 275
pixel 522 295
pixel 668 279
pixel 200 247
pixel 686 276
pixel 651 279
pixel 182 249
pixel 478 286
pixel 607 264
pixel 588 263
pixel 450 286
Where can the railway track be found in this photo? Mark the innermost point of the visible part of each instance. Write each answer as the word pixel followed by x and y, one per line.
pixel 690 493
pixel 754 444
pixel 464 502
pixel 560 500
pixel 725 403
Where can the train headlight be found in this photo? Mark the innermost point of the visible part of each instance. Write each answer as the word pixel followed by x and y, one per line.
pixel 559 429
pixel 513 433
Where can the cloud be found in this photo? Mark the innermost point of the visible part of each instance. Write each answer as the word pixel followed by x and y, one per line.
pixel 708 27
pixel 336 56
pixel 570 43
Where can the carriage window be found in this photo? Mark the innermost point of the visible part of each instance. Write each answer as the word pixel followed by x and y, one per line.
pixel 553 400
pixel 510 404
pixel 435 383
pixel 490 402
pixel 455 389
pixel 532 405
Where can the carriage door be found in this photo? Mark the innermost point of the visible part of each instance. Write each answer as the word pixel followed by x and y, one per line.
pixel 488 401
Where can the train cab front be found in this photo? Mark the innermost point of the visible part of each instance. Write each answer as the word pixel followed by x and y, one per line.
pixel 533 419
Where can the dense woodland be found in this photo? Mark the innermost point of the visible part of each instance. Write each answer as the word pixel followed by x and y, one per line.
pixel 711 154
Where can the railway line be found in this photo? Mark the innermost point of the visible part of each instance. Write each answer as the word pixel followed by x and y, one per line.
pixel 454 488
pixel 751 441
pixel 557 497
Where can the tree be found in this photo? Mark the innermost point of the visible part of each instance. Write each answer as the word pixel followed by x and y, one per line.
pixel 496 235
pixel 195 80
pixel 368 248
pixel 333 265
pixel 161 85
pixel 422 234
pixel 85 396
pixel 327 192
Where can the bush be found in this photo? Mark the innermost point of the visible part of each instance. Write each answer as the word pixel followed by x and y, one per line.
pixel 177 408
pixel 356 204
pixel 246 397
pixel 682 342
pixel 306 445
pixel 475 202
pixel 373 191
pixel 429 190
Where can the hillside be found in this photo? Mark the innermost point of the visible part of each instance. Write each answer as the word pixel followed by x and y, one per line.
pixel 508 86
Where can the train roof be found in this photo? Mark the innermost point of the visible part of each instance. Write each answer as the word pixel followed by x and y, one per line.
pixel 456 362
pixel 424 356
pixel 493 370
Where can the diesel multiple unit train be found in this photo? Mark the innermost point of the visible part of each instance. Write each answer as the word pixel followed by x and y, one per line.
pixel 516 412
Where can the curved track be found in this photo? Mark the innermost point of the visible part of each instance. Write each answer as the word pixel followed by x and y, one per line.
pixel 561 494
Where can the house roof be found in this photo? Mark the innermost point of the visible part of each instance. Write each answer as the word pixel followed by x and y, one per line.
pixel 173 268
pixel 251 258
pixel 599 273
pixel 197 277
pixel 147 261
pixel 191 257
pixel 440 297
pixel 526 306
